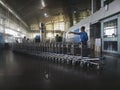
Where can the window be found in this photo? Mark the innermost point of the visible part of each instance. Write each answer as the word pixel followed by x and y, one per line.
pixel 110 45
pixel 49 27
pixel 1 21
pixel 1 29
pixel 59 26
pixel 106 2
pixel 34 27
pixel 110 29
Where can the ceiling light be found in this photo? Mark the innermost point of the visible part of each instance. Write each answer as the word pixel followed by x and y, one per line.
pixel 43 4
pixel 45 14
pixel 74 12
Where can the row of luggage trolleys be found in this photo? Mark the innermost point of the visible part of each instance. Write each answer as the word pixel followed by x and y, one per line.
pixel 59 56
pixel 87 62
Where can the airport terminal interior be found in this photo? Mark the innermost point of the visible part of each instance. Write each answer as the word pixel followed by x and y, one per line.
pixel 59 44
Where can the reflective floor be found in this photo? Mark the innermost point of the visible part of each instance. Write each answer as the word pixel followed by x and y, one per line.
pixel 24 72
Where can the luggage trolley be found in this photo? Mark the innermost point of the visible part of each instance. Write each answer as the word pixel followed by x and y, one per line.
pixel 90 62
pixel 75 58
pixel 70 55
pixel 62 52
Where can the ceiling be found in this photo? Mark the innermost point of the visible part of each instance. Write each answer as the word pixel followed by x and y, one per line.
pixel 31 10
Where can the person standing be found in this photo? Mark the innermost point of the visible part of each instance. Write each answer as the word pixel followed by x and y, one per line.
pixel 24 39
pixel 83 35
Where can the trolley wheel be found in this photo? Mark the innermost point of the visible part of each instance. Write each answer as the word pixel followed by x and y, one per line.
pixel 88 64
pixel 62 61
pixel 73 62
pixel 81 64
pixel 58 60
pixel 68 61
pixel 98 67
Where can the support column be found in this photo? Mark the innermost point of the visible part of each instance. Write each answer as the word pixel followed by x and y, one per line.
pixel 119 33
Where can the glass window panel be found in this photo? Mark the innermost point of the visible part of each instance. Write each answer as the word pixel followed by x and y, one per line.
pixel 110 28
pixel 59 26
pixel 56 26
pixel 62 26
pixel 1 29
pixel 106 2
pixel 49 27
pixel 1 21
pixel 110 45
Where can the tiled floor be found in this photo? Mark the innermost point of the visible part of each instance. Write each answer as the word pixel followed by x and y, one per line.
pixel 24 72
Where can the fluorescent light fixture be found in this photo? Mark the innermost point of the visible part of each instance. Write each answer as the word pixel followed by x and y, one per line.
pixel 43 4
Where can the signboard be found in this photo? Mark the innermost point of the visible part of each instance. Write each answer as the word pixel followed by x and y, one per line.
pixel 98 42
